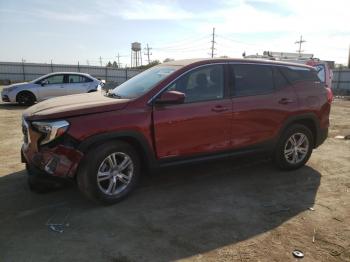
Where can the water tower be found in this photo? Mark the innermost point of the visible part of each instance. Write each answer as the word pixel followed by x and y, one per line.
pixel 136 57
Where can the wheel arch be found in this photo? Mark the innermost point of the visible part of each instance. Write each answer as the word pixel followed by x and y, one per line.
pixel 26 92
pixel 135 139
pixel 309 120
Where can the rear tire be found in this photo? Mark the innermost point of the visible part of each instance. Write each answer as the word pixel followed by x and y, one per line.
pixel 294 147
pixel 25 98
pixel 109 172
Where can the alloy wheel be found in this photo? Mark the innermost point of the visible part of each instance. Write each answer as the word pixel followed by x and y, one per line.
pixel 296 148
pixel 115 173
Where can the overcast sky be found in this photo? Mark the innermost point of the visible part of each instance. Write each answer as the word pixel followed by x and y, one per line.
pixel 83 30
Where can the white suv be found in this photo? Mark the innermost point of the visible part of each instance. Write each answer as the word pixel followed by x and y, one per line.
pixel 51 85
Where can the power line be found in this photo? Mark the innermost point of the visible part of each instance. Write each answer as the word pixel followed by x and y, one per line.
pixel 182 44
pixel 235 41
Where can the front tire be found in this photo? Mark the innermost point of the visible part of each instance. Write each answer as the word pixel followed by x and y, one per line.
pixel 25 98
pixel 294 147
pixel 109 172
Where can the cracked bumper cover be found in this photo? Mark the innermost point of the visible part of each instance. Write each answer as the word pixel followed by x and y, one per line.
pixel 60 161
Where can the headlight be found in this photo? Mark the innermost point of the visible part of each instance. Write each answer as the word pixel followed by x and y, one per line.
pixel 50 130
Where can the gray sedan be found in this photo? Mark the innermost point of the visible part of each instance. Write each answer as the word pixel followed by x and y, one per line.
pixel 51 85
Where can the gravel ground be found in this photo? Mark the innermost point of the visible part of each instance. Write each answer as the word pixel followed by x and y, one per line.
pixel 229 210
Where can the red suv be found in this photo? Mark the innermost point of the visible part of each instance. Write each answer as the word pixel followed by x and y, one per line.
pixel 174 113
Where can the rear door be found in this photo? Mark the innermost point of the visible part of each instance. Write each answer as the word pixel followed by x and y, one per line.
pixel 52 86
pixel 262 99
pixel 77 84
pixel 202 123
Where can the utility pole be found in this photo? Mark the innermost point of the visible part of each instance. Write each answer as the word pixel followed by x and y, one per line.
pixel 148 53
pixel 213 43
pixel 118 61
pixel 100 61
pixel 300 42
pixel 131 59
pixel 349 58
pixel 23 71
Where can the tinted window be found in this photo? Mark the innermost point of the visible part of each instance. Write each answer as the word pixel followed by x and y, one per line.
pixel 252 79
pixel 77 79
pixel 56 79
pixel 205 83
pixel 321 72
pixel 280 80
pixel 295 73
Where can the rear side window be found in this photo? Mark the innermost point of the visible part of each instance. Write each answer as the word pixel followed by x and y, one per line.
pixel 250 79
pixel 280 79
pixel 78 79
pixel 295 73
pixel 321 72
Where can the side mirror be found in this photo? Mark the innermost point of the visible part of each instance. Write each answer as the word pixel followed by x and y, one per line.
pixel 171 97
pixel 44 82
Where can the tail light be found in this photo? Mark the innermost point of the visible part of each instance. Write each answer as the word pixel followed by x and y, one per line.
pixel 329 95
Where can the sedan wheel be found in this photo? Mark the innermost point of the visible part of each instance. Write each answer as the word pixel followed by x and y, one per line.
pixel 25 98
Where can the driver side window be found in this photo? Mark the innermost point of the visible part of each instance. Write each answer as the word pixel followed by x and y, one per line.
pixel 202 84
pixel 55 79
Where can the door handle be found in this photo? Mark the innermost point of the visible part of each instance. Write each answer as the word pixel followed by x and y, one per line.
pixel 285 101
pixel 219 109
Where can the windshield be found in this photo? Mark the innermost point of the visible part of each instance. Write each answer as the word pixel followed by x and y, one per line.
pixel 37 79
pixel 141 83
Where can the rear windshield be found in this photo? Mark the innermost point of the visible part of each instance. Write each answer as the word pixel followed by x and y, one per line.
pixel 296 73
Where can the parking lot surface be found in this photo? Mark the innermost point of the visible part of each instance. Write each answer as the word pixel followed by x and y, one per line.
pixel 227 210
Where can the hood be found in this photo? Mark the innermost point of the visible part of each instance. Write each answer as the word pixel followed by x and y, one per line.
pixel 73 105
pixel 20 84
pixel 15 85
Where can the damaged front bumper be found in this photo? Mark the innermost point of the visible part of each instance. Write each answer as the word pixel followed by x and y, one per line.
pixel 60 160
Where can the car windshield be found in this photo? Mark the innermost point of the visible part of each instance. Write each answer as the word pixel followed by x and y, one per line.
pixel 141 83
pixel 37 79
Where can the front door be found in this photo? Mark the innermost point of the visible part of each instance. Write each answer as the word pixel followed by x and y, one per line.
pixel 202 123
pixel 52 86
